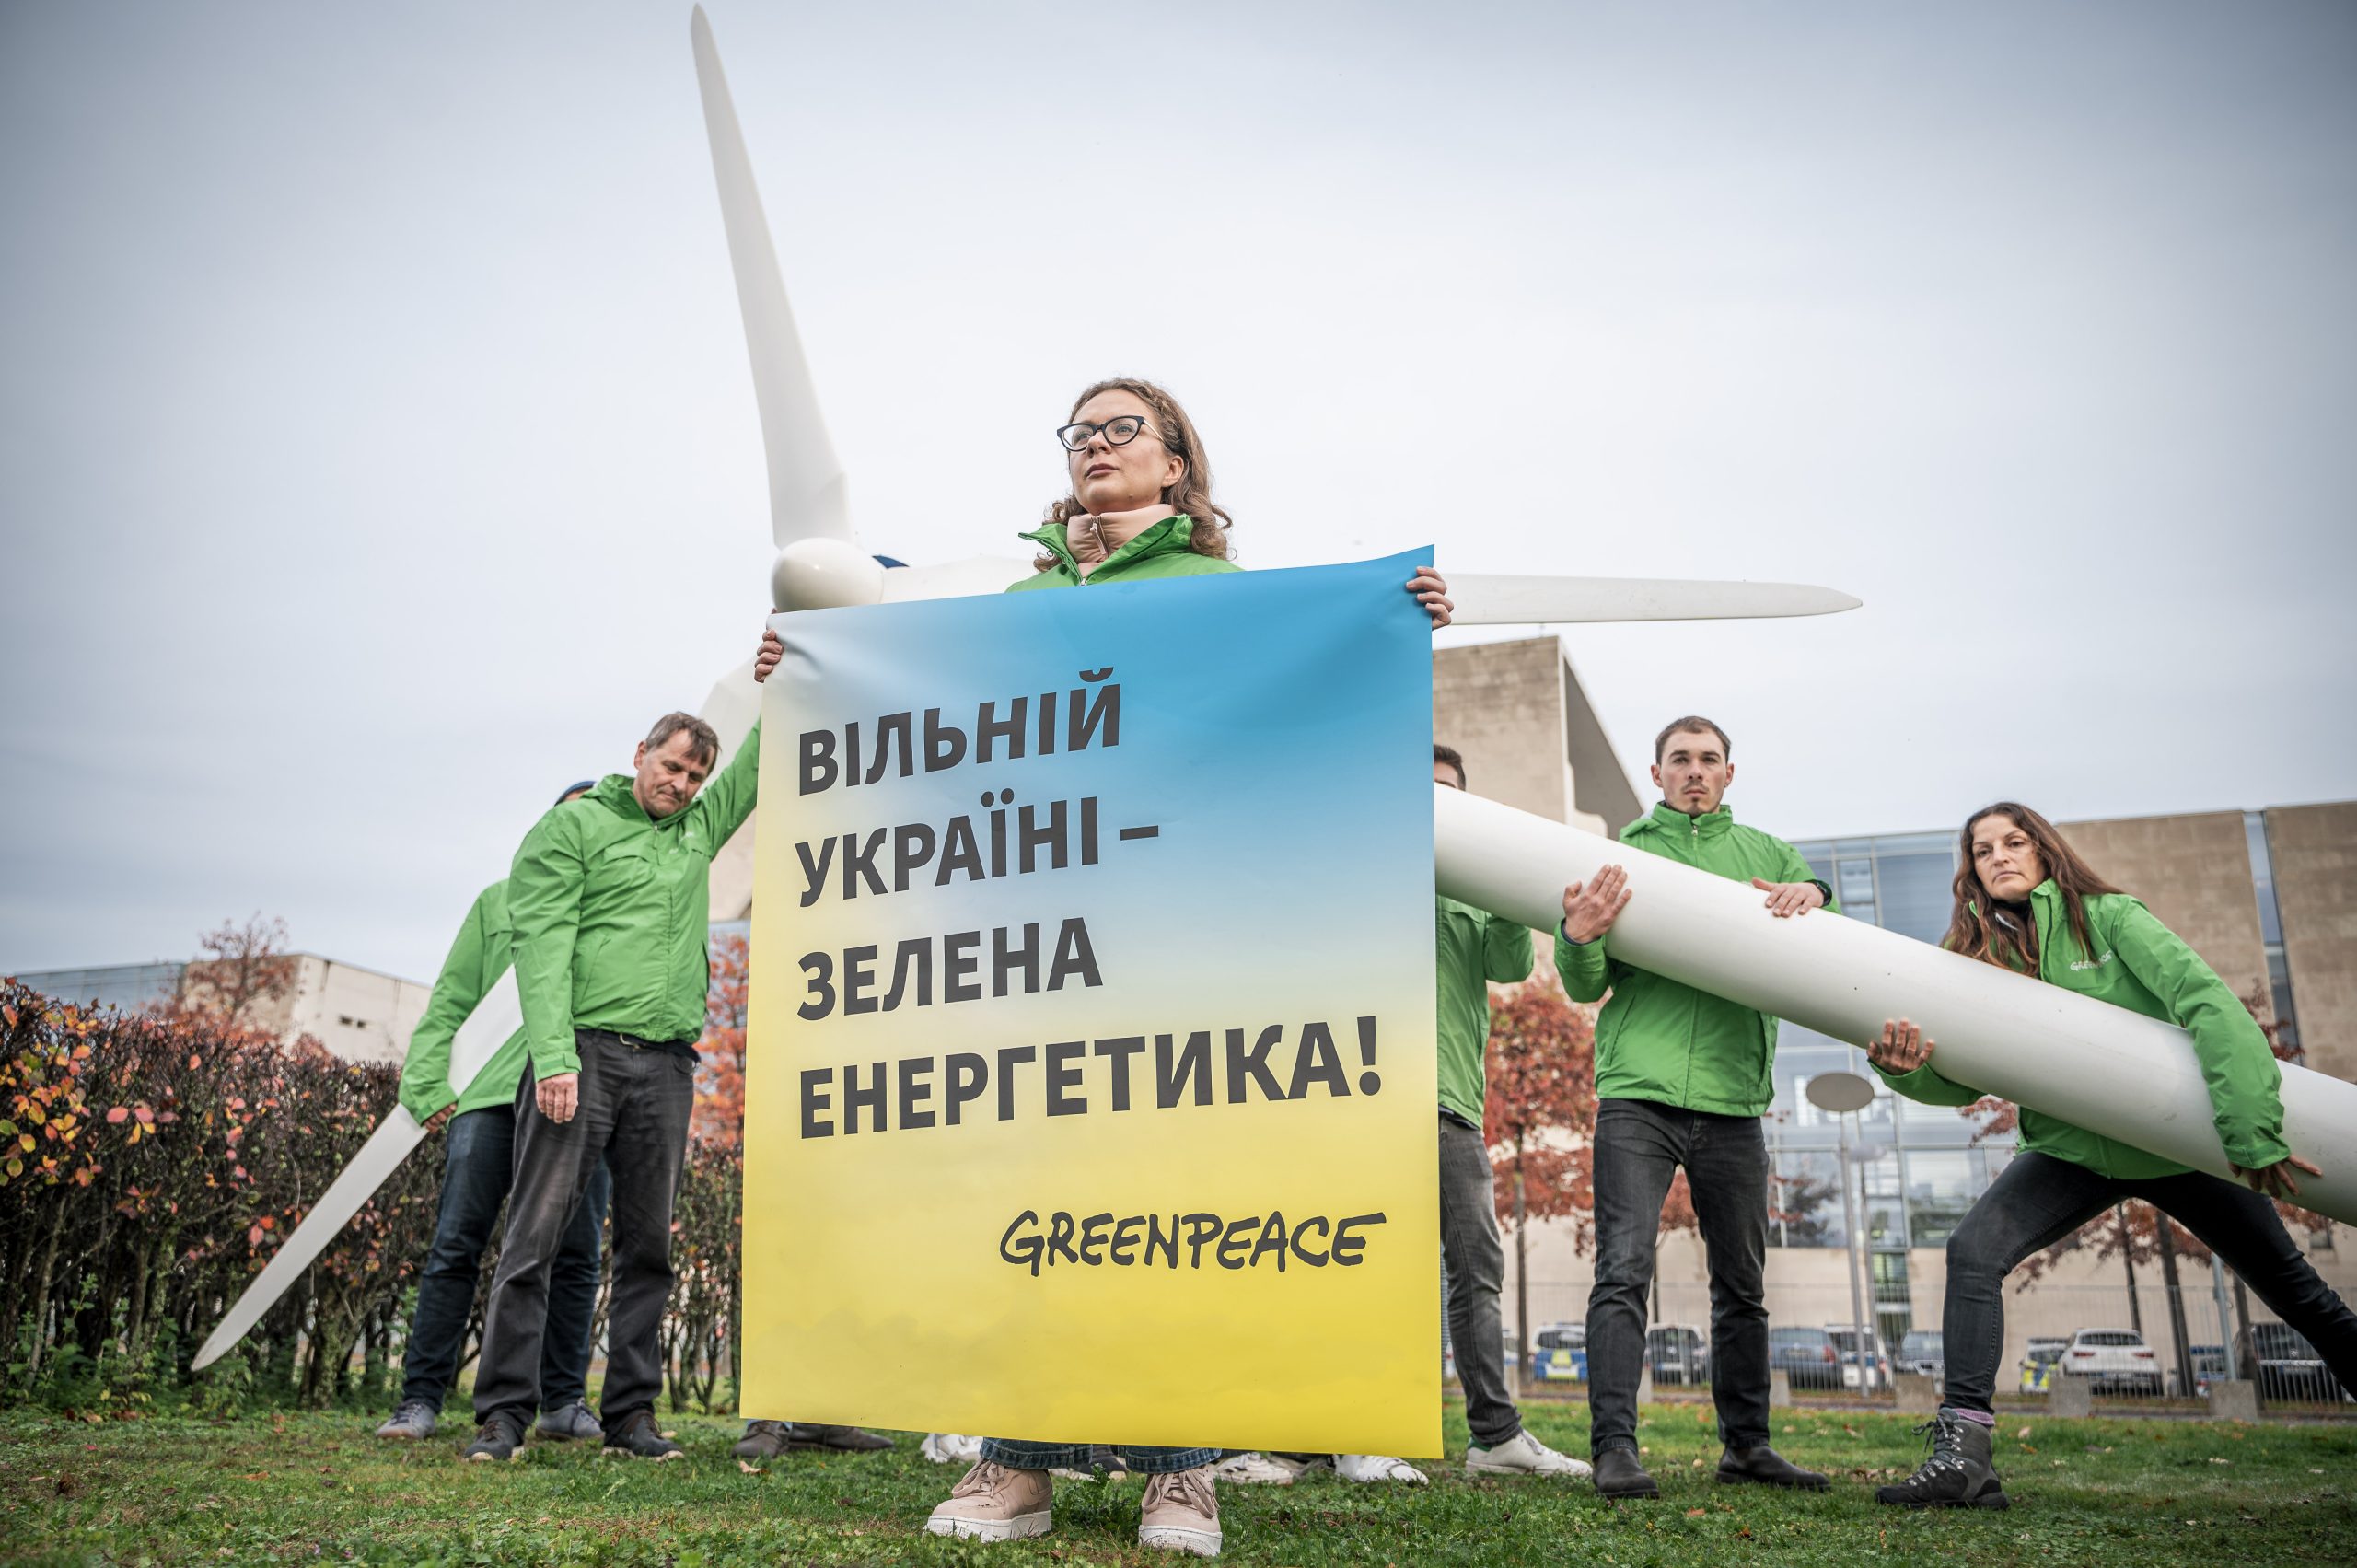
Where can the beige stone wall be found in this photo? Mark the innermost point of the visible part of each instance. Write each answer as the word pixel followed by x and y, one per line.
pixel 1502 705
pixel 2194 873
pixel 2314 849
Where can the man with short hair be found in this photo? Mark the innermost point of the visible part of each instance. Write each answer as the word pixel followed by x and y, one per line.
pixel 1682 1078
pixel 610 902
pixel 476 1169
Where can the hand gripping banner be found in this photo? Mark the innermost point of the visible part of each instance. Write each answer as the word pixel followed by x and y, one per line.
pixel 1090 1092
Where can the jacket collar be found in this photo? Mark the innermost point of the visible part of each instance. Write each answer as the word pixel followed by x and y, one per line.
pixel 1668 816
pixel 1171 536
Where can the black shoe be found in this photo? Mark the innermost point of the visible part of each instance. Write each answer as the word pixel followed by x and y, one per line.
pixel 842 1439
pixel 637 1438
pixel 1765 1467
pixel 1618 1475
pixel 501 1436
pixel 762 1440
pixel 1958 1472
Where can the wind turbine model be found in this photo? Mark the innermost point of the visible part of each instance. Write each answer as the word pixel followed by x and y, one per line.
pixel 2107 1070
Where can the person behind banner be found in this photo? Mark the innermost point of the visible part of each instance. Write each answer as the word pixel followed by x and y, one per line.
pixel 1682 1078
pixel 611 899
pixel 1140 507
pixel 1473 949
pixel 2024 900
pixel 476 1169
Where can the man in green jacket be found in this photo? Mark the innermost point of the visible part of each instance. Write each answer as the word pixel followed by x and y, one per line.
pixel 610 902
pixel 1681 1079
pixel 477 1164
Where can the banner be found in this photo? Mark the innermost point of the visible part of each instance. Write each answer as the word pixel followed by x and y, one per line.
pixel 1090 1089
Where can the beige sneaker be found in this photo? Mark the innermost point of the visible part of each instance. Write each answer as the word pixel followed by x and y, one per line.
pixel 994 1503
pixel 1181 1513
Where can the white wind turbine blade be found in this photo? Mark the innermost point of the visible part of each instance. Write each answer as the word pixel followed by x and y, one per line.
pixel 499 1014
pixel 808 498
pixel 1486 601
pixel 953 579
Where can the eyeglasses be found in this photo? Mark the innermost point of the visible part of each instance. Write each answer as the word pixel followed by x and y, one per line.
pixel 1118 431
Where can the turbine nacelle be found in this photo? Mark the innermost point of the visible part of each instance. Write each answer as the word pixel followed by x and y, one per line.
pixel 821 573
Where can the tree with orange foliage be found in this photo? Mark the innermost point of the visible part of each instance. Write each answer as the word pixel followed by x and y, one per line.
pixel 719 1118
pixel 1540 1112
pixel 244 967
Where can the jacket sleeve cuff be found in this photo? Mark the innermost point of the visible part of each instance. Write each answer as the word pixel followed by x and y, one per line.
pixel 548 1062
pixel 424 1105
pixel 2253 1149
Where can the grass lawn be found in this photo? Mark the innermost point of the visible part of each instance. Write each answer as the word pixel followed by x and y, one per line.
pixel 313 1488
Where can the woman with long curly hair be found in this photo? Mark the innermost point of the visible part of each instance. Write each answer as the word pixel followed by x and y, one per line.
pixel 1139 506
pixel 2025 902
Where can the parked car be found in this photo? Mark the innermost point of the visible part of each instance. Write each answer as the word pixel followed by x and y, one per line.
pixel 2209 1365
pixel 2039 1358
pixel 1922 1353
pixel 1559 1354
pixel 1867 1370
pixel 1679 1354
pixel 2117 1360
pixel 2290 1368
pixel 1805 1357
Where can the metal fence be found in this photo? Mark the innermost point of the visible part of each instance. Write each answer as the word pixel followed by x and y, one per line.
pixel 2157 1349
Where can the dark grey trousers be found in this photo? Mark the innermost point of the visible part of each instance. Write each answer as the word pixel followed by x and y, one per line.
pixel 1477 1265
pixel 633 1112
pixel 1638 1146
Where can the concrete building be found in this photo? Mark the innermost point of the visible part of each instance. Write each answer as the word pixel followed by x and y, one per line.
pixel 359 1014
pixel 2268 898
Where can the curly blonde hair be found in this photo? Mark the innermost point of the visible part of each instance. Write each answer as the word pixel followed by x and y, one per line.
pixel 1191 496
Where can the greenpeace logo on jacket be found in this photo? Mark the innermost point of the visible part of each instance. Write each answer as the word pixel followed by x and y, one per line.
pixel 2160 977
pixel 1669 1043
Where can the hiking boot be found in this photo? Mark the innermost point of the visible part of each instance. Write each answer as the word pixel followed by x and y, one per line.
pixel 1957 1473
pixel 762 1440
pixel 1765 1467
pixel 1381 1466
pixel 1258 1469
pixel 1181 1513
pixel 1618 1475
pixel 568 1422
pixel 950 1449
pixel 994 1502
pixel 638 1438
pixel 1522 1455
pixel 411 1419
pixel 842 1439
pixel 501 1436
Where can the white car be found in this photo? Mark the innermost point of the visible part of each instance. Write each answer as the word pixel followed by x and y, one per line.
pixel 2116 1359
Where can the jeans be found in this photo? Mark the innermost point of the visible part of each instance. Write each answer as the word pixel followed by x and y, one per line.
pixel 1638 1147
pixel 477 1166
pixel 2038 1200
pixel 1017 1456
pixel 632 1110
pixel 1476 1264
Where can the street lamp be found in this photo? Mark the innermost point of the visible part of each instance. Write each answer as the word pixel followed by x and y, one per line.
pixel 1846 1094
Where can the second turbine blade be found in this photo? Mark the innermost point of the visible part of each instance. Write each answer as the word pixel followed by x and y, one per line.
pixel 1490 601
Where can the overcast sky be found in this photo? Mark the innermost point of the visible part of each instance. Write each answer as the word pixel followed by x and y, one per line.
pixel 377 452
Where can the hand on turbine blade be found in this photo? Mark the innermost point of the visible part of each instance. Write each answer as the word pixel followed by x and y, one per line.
pixel 773 650
pixel 1902 1049
pixel 1590 909
pixel 2276 1181
pixel 1786 900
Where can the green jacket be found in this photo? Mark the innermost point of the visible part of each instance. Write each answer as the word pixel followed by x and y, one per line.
pixel 610 910
pixel 2145 968
pixel 1160 551
pixel 1669 1043
pixel 479 957
pixel 1472 948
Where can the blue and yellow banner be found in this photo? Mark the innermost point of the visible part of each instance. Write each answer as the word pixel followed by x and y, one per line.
pixel 1090 1089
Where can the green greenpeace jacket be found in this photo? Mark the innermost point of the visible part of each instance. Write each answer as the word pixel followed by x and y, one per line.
pixel 611 908
pixel 1669 1043
pixel 1472 948
pixel 1160 551
pixel 479 957
pixel 2143 965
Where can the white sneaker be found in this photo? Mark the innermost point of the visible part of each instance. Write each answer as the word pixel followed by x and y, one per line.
pixel 1258 1469
pixel 1524 1455
pixel 1378 1467
pixel 950 1449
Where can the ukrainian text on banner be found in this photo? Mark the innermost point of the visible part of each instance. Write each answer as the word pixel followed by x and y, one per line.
pixel 1090 1089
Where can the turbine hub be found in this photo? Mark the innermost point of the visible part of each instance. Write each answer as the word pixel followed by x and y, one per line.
pixel 818 573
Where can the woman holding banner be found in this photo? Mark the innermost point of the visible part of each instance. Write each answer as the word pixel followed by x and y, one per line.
pixel 1140 507
pixel 2025 902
